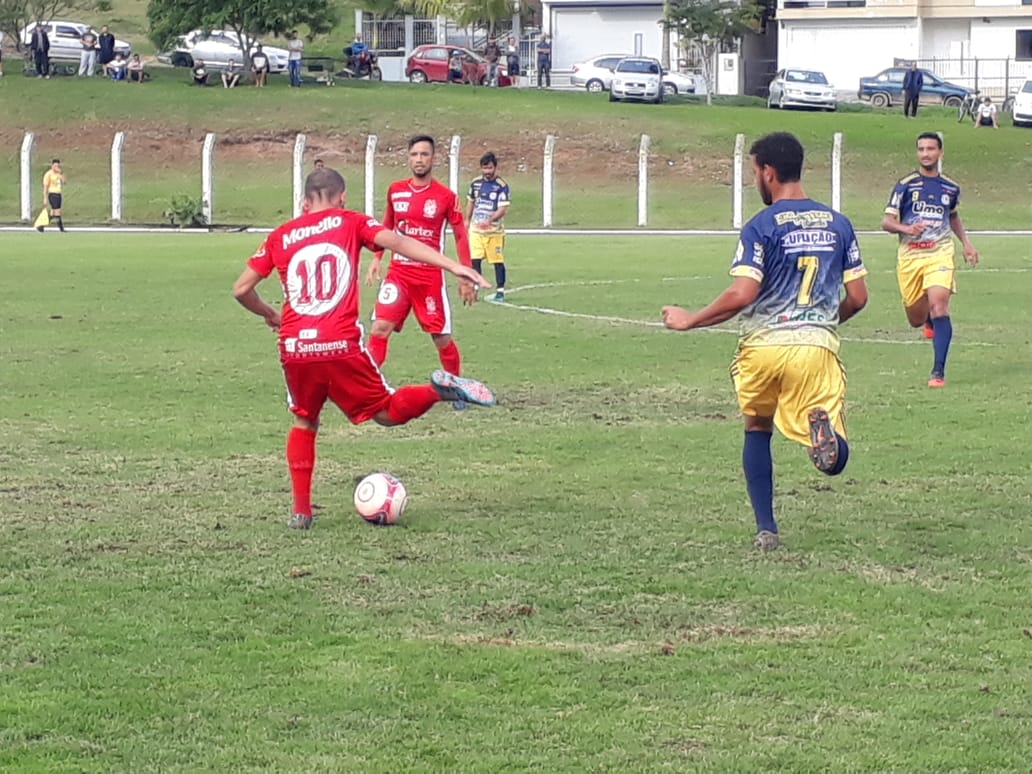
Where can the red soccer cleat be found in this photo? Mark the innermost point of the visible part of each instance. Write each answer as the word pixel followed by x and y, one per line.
pixel 929 331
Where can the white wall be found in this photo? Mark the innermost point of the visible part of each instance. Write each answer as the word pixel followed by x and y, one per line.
pixel 996 39
pixel 945 38
pixel 846 51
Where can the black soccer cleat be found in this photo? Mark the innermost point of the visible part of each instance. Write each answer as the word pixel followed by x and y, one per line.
pixel 824 447
pixel 300 521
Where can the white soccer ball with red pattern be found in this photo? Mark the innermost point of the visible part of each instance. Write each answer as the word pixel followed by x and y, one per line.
pixel 380 499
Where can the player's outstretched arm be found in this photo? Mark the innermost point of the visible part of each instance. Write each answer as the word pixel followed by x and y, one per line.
pixel 246 293
pixel 417 251
pixel 740 294
pixel 854 300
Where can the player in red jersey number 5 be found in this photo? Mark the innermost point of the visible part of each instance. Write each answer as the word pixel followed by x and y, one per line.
pixel 320 338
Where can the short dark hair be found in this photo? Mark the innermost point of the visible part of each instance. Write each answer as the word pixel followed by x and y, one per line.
pixel 783 152
pixel 489 158
pixel 324 183
pixel 930 136
pixel 55 161
pixel 422 138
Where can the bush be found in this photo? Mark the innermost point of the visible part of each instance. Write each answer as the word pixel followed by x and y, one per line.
pixel 186 211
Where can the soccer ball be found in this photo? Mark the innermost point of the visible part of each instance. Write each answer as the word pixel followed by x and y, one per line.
pixel 380 498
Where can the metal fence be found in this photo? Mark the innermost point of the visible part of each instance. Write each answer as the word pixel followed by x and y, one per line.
pixel 996 78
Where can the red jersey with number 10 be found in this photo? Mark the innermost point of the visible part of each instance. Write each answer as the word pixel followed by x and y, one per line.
pixel 317 259
pixel 420 213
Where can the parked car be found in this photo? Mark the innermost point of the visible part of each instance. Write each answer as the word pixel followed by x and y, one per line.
pixel 215 48
pixel 429 64
pixel 639 78
pixel 596 75
pixel 886 88
pixel 1022 115
pixel 801 88
pixel 66 39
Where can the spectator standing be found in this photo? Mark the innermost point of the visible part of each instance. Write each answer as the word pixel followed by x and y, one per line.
pixel 512 60
pixel 492 53
pixel 135 69
pixel 231 75
pixel 1 53
pixel 986 115
pixel 39 45
pixel 88 57
pixel 296 47
pixel 544 61
pixel 107 46
pixel 913 82
pixel 260 66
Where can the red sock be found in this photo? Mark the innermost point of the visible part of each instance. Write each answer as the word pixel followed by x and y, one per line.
pixel 301 460
pixel 378 348
pixel 451 360
pixel 410 402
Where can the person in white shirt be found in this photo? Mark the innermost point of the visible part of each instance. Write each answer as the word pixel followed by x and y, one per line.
pixel 987 114
pixel 296 47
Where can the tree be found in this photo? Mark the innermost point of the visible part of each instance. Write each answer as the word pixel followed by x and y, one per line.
pixel 16 14
pixel 709 24
pixel 247 18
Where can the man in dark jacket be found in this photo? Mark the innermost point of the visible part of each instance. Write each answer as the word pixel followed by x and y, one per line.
pixel 492 53
pixel 39 45
pixel 106 41
pixel 913 82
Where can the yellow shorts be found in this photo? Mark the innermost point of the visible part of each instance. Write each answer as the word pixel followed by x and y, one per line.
pixel 916 275
pixel 489 246
pixel 787 382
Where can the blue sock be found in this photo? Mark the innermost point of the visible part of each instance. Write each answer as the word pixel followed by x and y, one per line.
pixel 843 456
pixel 758 465
pixel 478 265
pixel 942 329
pixel 500 276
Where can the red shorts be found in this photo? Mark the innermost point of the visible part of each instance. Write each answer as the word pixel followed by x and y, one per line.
pixel 353 382
pixel 425 294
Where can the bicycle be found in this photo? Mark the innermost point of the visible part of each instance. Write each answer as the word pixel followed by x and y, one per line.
pixel 967 107
pixel 1008 104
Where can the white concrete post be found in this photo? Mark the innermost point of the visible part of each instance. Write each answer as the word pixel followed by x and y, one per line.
pixel 208 179
pixel 548 181
pixel 643 181
pixel 736 192
pixel 299 172
pixel 116 175
pixel 453 162
pixel 836 173
pixel 370 174
pixel 27 146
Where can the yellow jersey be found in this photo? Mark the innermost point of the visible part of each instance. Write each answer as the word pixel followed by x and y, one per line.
pixel 53 182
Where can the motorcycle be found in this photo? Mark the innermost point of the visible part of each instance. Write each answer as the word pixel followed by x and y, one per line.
pixel 361 65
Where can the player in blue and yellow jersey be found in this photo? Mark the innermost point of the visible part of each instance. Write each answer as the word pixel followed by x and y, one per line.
pixel 791 263
pixel 487 203
pixel 922 209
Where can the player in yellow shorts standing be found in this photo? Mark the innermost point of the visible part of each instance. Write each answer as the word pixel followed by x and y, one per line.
pixel 792 260
pixel 487 203
pixel 922 210
pixel 53 193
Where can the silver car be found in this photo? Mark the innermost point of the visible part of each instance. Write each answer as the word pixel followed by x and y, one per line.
pixel 596 74
pixel 637 77
pixel 216 48
pixel 801 88
pixel 66 39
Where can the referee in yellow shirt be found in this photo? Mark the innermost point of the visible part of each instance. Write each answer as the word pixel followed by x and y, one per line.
pixel 53 188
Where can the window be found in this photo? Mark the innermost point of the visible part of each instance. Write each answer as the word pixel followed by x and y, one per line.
pixel 1023 45
pixel 436 54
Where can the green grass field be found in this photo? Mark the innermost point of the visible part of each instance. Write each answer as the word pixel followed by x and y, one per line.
pixel 573 587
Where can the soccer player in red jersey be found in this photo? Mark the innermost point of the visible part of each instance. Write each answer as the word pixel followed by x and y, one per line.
pixel 320 338
pixel 419 207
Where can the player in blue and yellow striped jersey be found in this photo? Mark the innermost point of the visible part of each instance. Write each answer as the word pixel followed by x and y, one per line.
pixel 922 210
pixel 791 263
pixel 487 203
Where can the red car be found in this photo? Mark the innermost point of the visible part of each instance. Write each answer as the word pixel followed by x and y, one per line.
pixel 428 64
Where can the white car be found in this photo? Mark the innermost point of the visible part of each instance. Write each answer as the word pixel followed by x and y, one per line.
pixel 792 87
pixel 637 77
pixel 66 39
pixel 1022 115
pixel 596 75
pixel 216 47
